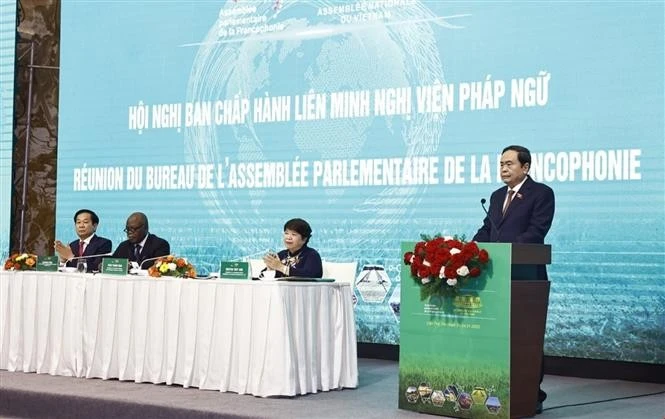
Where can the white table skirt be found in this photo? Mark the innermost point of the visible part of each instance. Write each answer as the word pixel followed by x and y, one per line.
pixel 249 337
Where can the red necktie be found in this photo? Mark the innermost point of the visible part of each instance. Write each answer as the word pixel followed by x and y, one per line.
pixel 81 248
pixel 511 193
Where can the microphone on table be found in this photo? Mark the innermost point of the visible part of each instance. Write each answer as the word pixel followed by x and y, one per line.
pixel 245 258
pixel 135 268
pixel 150 259
pixel 89 256
pixel 494 227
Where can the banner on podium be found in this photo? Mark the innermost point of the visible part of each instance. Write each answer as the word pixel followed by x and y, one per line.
pixel 455 348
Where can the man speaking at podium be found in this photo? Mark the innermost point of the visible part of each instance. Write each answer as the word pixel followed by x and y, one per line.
pixel 140 244
pixel 520 212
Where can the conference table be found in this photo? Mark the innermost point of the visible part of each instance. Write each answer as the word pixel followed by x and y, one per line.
pixel 249 337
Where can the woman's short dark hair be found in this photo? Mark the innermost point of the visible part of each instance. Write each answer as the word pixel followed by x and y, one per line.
pixel 300 226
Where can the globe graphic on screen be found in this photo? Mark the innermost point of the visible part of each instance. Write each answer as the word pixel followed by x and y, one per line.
pixel 315 56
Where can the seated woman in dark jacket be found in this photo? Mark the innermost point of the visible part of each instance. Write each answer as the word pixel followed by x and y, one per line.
pixel 297 259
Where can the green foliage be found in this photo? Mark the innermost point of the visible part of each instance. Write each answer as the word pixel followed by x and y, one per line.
pixel 441 373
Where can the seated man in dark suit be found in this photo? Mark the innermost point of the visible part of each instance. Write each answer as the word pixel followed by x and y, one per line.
pixel 88 243
pixel 520 212
pixel 140 244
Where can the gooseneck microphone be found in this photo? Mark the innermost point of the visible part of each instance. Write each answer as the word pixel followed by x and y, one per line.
pixel 483 201
pixel 150 259
pixel 89 256
pixel 86 257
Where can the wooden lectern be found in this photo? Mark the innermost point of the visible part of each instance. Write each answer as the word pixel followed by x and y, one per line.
pixel 530 291
pixel 495 348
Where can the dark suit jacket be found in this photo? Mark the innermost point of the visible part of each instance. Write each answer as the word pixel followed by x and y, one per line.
pixel 154 247
pixel 527 220
pixel 97 246
pixel 306 263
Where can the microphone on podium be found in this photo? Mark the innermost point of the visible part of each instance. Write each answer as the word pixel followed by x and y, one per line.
pixel 483 201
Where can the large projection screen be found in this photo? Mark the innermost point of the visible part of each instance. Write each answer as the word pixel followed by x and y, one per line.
pixel 7 56
pixel 378 121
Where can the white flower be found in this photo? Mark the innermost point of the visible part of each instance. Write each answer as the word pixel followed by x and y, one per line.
pixel 463 271
pixel 425 280
pixel 21 257
pixel 454 251
pixel 426 263
pixel 413 257
pixel 452 282
pixel 442 272
pixel 172 266
pixel 448 238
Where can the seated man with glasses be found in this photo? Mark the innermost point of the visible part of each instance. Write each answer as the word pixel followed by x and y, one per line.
pixel 140 244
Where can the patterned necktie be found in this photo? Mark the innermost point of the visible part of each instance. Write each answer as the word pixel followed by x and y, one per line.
pixel 137 252
pixel 81 247
pixel 511 193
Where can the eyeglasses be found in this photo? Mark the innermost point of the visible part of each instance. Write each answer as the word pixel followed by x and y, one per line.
pixel 129 229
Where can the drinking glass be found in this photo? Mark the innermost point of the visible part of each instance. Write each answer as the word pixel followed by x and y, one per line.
pixel 81 266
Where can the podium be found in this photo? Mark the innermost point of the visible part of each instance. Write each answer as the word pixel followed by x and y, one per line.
pixel 530 291
pixel 484 358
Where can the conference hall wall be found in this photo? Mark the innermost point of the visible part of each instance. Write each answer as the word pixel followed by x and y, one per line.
pixel 7 55
pixel 378 121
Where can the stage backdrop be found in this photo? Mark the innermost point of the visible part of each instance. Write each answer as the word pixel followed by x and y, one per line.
pixel 7 55
pixel 377 121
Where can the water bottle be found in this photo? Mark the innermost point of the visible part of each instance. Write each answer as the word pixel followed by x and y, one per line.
pixel 81 266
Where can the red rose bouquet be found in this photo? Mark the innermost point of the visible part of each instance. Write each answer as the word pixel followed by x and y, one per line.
pixel 442 265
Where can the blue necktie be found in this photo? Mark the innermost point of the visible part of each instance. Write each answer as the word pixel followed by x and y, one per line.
pixel 137 252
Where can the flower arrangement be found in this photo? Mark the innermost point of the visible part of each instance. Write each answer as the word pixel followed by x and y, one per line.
pixel 21 262
pixel 172 266
pixel 442 265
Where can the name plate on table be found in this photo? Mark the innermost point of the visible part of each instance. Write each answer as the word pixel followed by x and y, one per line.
pixel 234 270
pixel 114 266
pixel 48 263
